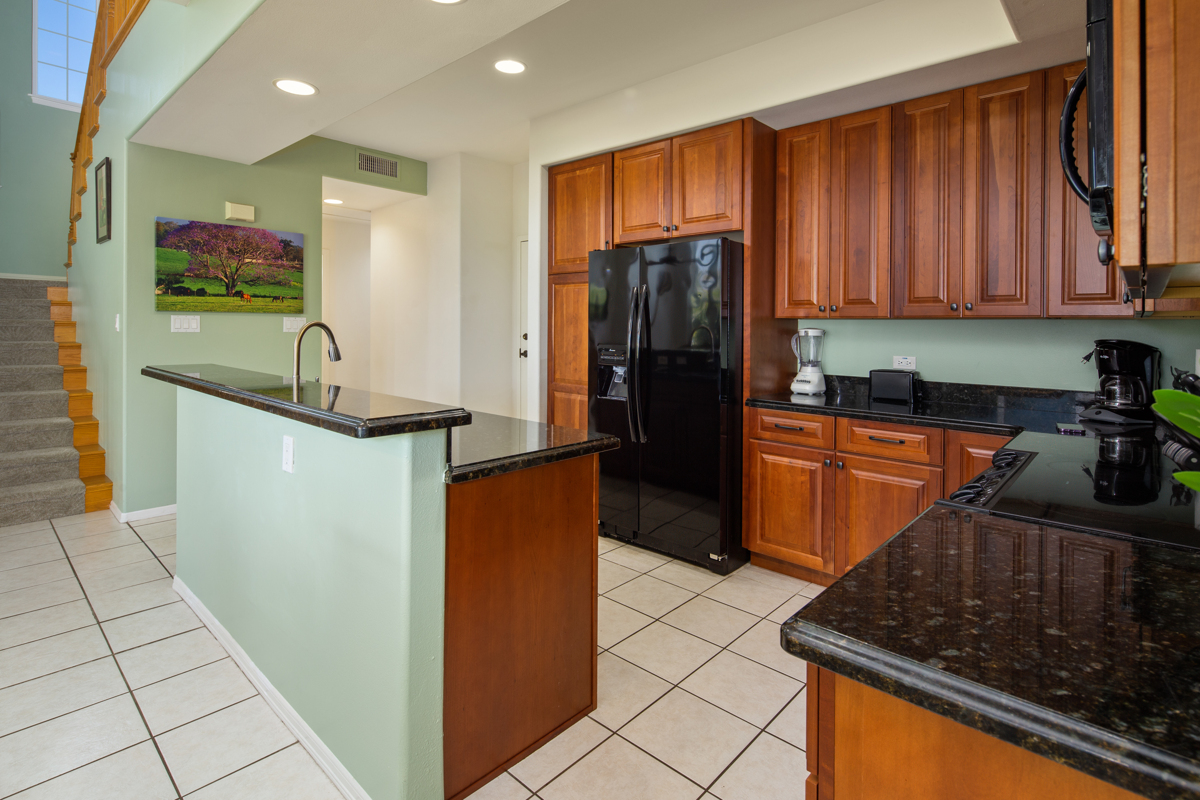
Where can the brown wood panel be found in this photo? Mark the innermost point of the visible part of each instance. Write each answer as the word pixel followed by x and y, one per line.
pixel 808 430
pixel 706 180
pixel 888 749
pixel 914 443
pixel 813 741
pixel 1003 182
pixel 580 215
pixel 927 206
pixel 570 410
pixel 520 625
pixel 1077 284
pixel 818 576
pixel 790 504
pixel 875 499
pixel 1127 130
pixel 566 341
pixel 802 222
pixel 642 192
pixel 860 238
pixel 967 455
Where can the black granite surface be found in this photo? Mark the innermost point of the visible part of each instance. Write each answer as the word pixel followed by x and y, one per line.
pixel 492 445
pixel 352 412
pixel 1001 410
pixel 1079 647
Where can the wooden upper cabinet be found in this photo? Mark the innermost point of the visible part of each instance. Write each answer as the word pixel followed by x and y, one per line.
pixel 1077 284
pixel 580 200
pixel 642 192
pixel 927 206
pixel 567 363
pixel 790 491
pixel 860 241
pixel 1002 197
pixel 802 221
pixel 706 183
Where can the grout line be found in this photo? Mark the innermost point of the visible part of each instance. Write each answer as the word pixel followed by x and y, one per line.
pixel 157 557
pixel 65 713
pixel 81 766
pixel 246 766
pixel 185 672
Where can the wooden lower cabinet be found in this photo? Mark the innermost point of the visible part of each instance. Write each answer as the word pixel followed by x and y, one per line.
pixel 566 403
pixel 967 455
pixel 875 499
pixel 791 504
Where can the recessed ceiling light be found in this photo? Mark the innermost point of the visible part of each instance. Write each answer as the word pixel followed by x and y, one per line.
pixel 296 87
pixel 511 67
pixel 448 2
pixel 333 202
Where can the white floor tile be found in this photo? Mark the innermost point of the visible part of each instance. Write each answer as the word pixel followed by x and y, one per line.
pixel 812 590
pixel 101 541
pixel 768 770
pixel 91 516
pixel 650 596
pixel 33 702
pixel 222 743
pixel 635 558
pixel 110 580
pixel 617 769
pixel 780 581
pixel 712 621
pixel 133 774
pixel 761 644
pixel 45 751
pixel 606 544
pixel 168 561
pixel 742 687
pixel 36 597
pixel 616 622
pixel 90 527
pixel 27 527
pixel 28 661
pixel 668 653
pixel 785 611
pixel 25 577
pixel 502 787
pixel 19 541
pixel 690 735
pixel 161 660
pixel 30 556
pixel 143 523
pixel 140 597
pixel 750 596
pixel 551 759
pixel 792 723
pixel 179 700
pixel 100 560
pixel 135 630
pixel 623 691
pixel 43 623
pixel 687 576
pixel 152 529
pixel 610 575
pixel 287 775
pixel 163 546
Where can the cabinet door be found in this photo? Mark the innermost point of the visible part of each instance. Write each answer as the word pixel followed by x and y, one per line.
pixel 875 499
pixel 642 192
pixel 580 203
pixel 567 350
pixel 1077 284
pixel 1002 197
pixel 802 222
pixel 860 201
pixel 791 497
pixel 967 455
pixel 927 206
pixel 706 180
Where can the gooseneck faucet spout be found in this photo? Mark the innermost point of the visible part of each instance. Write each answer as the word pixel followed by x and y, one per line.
pixel 334 353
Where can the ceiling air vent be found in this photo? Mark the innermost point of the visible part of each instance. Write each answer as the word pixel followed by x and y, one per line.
pixel 378 165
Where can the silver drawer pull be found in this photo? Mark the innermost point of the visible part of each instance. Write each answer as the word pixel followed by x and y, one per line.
pixel 889 441
pixel 789 427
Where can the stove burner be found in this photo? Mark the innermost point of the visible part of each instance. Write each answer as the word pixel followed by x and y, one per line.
pixel 981 490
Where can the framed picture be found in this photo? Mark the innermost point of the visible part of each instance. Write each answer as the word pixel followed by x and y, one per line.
pixel 103 201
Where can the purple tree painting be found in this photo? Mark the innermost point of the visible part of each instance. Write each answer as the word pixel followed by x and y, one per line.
pixel 228 253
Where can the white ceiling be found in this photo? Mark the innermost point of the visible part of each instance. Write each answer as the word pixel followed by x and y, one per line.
pixel 360 196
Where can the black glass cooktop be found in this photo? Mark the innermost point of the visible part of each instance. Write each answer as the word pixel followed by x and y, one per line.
pixel 1117 485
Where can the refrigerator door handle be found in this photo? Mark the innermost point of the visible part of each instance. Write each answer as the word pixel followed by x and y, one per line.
pixel 631 364
pixel 637 375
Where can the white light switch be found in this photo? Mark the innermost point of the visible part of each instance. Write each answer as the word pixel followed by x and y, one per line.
pixel 289 453
pixel 185 323
pixel 118 323
pixel 294 324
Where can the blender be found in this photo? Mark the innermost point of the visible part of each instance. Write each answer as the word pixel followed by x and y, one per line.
pixel 807 346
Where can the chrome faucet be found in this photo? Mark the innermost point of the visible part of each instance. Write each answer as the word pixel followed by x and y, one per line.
pixel 334 354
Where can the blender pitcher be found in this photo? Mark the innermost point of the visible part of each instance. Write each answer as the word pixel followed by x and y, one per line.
pixel 807 346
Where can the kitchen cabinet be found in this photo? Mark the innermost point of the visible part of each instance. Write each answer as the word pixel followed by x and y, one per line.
pixel 580 215
pixel 811 430
pixel 1003 169
pixel 791 504
pixel 888 440
pixel 802 221
pixel 1077 284
pixel 567 366
pixel 875 499
pixel 967 455
pixel 860 239
pixel 687 185
pixel 927 206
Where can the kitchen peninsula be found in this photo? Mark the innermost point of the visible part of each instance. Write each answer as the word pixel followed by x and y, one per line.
pixel 413 588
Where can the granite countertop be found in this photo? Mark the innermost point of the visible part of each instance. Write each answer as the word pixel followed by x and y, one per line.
pixel 1001 410
pixel 1079 647
pixel 493 444
pixel 352 412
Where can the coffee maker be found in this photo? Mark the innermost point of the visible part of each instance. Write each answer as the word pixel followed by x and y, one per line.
pixel 1128 377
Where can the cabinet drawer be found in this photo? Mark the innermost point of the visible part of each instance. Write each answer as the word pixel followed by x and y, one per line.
pixel 901 442
pixel 781 426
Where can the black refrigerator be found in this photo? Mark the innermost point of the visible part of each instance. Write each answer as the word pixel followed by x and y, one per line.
pixel 664 367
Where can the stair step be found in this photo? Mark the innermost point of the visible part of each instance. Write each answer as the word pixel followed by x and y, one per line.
pixel 74 378
pixel 28 354
pixel 27 330
pixel 34 405
pixel 64 331
pixel 91 460
pixel 11 289
pixel 56 292
pixel 44 377
pixel 98 493
pixel 70 354
pixel 25 308
pixel 87 430
pixel 38 466
pixel 35 434
pixel 37 501
pixel 60 310
pixel 79 404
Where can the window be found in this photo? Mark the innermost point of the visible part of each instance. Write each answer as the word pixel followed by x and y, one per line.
pixel 62 47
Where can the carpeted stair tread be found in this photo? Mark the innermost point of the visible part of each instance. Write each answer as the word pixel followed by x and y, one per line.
pixel 38 466
pixel 24 308
pixel 27 330
pixel 26 290
pixel 36 434
pixel 37 501
pixel 27 354
pixel 40 377
pixel 33 405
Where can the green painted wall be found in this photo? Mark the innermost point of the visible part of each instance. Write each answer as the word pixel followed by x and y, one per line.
pixel 340 160
pixel 331 578
pixel 1041 353
pixel 35 166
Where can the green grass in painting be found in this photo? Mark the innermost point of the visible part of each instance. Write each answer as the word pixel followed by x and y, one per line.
pixel 196 305
pixel 168 262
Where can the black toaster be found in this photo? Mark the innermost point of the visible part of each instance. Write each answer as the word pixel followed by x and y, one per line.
pixel 894 386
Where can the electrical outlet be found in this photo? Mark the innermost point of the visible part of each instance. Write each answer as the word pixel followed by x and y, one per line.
pixel 289 453
pixel 904 362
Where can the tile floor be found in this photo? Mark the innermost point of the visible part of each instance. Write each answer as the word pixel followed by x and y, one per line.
pixel 696 697
pixel 111 688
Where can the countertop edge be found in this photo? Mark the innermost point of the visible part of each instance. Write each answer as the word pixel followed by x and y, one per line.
pixel 354 427
pixel 883 416
pixel 1106 756
pixel 464 473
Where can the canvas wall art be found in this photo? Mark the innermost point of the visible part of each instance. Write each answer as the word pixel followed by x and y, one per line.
pixel 206 266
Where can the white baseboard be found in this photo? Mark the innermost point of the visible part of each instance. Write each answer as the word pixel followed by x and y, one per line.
pixel 341 777
pixel 146 513
pixel 16 277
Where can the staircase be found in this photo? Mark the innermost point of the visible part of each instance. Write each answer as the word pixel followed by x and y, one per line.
pixel 51 463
